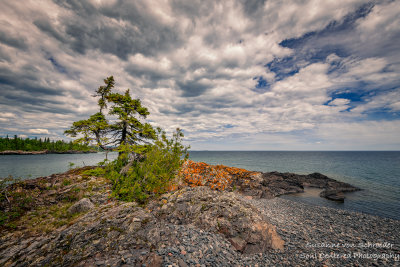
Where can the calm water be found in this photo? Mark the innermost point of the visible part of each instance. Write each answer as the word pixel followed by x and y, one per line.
pixel 31 166
pixel 378 173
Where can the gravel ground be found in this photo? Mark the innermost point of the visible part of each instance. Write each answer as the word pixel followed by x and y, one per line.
pixel 314 236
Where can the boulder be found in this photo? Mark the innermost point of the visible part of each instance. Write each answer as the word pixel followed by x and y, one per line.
pixel 336 194
pixel 238 243
pixel 225 213
pixel 82 205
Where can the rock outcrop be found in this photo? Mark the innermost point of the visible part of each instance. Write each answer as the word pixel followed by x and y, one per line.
pixel 258 184
pixel 273 184
pixel 72 221
pixel 224 213
pixel 285 183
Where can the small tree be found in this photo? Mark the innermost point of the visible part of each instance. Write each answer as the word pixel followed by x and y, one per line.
pixel 123 127
pixel 148 160
pixel 154 174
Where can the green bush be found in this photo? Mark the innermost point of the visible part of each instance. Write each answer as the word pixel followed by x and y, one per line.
pixel 98 172
pixel 13 204
pixel 151 175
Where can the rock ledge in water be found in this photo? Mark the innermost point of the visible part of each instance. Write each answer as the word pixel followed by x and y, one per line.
pixel 258 184
pixel 273 184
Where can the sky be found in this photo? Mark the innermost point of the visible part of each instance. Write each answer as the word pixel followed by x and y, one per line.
pixel 234 75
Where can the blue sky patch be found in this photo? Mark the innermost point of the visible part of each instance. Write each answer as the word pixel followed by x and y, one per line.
pixel 57 65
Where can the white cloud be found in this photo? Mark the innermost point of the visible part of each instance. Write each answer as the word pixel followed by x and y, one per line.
pixel 7 115
pixel 369 70
pixel 387 100
pixel 38 131
pixel 381 24
pixel 361 135
pixel 339 102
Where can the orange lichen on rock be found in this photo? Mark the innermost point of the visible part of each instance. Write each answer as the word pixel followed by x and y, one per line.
pixel 218 177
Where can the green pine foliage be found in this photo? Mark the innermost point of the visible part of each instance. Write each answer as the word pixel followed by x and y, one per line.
pixel 154 174
pixel 36 144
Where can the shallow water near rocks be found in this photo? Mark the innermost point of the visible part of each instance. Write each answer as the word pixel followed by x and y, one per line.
pixel 311 196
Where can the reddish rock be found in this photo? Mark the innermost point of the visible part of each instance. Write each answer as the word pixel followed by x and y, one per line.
pixel 238 243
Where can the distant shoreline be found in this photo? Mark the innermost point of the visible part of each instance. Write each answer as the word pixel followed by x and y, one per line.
pixel 21 152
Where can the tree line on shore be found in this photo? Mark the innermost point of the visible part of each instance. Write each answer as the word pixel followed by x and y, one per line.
pixel 37 144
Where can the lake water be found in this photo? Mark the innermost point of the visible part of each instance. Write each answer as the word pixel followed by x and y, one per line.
pixel 377 173
pixel 31 166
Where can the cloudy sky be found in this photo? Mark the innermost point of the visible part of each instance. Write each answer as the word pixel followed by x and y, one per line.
pixel 234 75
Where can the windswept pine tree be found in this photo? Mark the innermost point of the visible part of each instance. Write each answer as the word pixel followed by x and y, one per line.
pixel 118 122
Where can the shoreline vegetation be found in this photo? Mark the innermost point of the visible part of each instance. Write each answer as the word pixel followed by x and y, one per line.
pixel 41 152
pixel 214 215
pixel 35 146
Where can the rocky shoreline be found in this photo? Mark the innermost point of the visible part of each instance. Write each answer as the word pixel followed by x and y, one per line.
pixel 273 184
pixel 72 220
pixel 261 185
pixel 21 152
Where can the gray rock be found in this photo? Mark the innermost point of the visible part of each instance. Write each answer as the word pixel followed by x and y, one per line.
pixel 82 205
pixel 224 213
pixel 271 184
pixel 333 194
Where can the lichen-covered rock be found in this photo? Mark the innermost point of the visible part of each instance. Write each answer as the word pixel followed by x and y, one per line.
pixel 82 205
pixel 222 212
pixel 257 184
